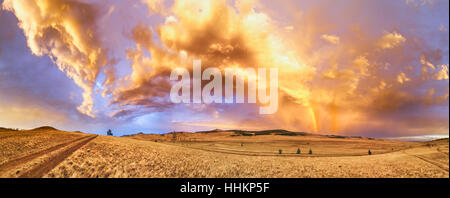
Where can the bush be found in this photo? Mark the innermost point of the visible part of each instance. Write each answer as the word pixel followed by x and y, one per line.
pixel 298 151
pixel 310 151
pixel 280 151
pixel 370 152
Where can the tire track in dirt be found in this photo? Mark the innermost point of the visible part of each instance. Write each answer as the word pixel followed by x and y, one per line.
pixel 22 160
pixel 430 162
pixel 439 150
pixel 43 168
pixel 274 154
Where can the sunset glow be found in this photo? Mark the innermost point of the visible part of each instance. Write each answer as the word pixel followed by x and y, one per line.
pixel 350 67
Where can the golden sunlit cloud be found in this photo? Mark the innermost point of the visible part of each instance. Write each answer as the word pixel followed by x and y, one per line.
pixel 331 38
pixel 391 40
pixel 66 32
pixel 335 74
pixel 401 78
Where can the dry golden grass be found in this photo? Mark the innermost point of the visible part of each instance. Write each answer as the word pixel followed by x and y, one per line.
pixel 20 143
pixel 126 157
pixel 227 142
pixel 217 155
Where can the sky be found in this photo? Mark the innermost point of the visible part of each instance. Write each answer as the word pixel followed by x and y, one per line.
pixel 376 68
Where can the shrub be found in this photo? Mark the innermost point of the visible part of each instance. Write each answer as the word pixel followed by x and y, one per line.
pixel 298 151
pixel 280 151
pixel 310 151
pixel 370 152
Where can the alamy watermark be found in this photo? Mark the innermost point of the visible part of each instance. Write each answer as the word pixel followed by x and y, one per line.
pixel 257 85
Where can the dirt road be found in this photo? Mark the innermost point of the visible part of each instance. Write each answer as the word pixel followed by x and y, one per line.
pixel 60 152
pixel 440 165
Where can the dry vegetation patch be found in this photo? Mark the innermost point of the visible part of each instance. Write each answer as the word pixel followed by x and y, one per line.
pixel 125 157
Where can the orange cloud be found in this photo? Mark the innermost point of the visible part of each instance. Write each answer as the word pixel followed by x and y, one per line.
pixel 391 40
pixel 331 38
pixel 360 77
pixel 65 31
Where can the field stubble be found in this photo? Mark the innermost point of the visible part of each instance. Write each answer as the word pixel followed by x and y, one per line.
pixel 125 157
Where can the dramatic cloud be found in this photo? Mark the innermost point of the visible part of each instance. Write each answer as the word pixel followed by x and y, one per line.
pixel 347 70
pixel 65 30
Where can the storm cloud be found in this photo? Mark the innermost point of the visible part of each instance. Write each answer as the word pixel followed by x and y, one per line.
pixel 377 68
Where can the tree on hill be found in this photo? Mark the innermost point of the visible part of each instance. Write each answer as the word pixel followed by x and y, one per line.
pixel 174 137
pixel 370 152
pixel 109 132
pixel 310 151
pixel 298 151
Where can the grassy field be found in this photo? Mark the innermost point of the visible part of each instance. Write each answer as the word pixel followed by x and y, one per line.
pixel 269 144
pixel 220 154
pixel 20 143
